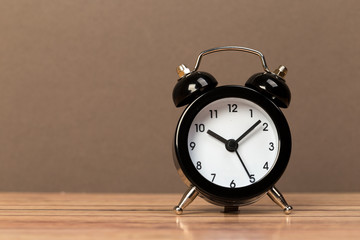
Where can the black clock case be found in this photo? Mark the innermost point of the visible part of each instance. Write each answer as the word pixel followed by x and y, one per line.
pixel 214 193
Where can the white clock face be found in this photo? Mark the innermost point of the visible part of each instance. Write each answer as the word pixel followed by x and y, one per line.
pixel 233 142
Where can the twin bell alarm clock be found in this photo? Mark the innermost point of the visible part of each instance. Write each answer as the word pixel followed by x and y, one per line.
pixel 232 143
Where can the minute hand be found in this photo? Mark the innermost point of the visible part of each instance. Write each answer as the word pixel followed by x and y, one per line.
pixel 248 131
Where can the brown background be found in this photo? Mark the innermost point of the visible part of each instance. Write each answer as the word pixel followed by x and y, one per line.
pixel 85 88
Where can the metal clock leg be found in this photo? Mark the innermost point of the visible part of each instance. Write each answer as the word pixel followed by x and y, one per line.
pixel 278 198
pixel 186 199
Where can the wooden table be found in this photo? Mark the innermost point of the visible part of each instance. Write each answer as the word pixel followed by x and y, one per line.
pixel 150 216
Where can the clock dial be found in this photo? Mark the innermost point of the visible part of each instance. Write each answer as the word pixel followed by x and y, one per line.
pixel 233 142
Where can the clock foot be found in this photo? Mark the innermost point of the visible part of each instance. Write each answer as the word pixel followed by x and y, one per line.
pixel 186 199
pixel 278 198
pixel 231 209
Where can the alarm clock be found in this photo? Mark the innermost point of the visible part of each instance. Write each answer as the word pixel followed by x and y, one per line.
pixel 232 143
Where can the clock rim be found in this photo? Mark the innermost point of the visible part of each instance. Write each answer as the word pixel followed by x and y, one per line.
pixel 215 193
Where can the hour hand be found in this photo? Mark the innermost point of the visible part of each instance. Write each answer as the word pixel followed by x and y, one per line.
pixel 218 137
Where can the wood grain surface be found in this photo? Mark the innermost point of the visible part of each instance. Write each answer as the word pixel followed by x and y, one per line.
pixel 149 216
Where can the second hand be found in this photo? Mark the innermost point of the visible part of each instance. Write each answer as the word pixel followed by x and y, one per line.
pixel 243 164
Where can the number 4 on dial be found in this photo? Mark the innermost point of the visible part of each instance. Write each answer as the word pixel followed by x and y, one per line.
pixel 266 166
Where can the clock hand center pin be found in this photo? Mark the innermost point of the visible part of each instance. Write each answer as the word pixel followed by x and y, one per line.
pixel 231 145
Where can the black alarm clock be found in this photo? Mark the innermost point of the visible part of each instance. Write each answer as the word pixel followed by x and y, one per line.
pixel 232 143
